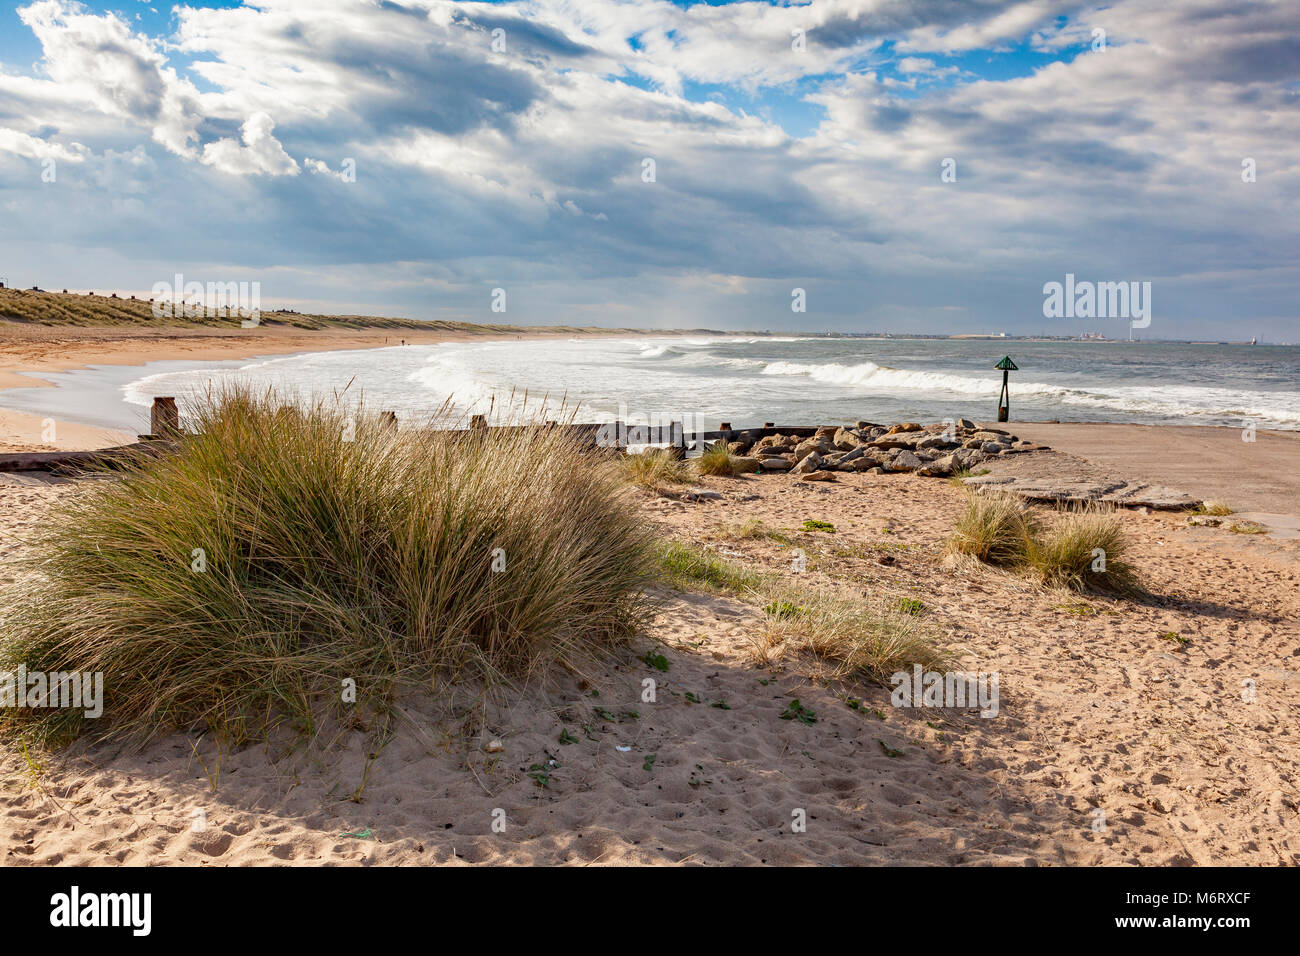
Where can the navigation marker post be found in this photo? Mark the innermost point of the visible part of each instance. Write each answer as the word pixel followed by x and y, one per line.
pixel 1004 400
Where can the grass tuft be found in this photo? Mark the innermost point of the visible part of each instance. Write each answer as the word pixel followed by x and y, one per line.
pixel 857 639
pixel 1085 551
pixel 274 556
pixel 655 469
pixel 689 567
pixel 717 459
pixel 995 528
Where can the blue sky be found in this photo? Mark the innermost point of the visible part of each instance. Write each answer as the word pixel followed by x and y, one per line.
pixel 795 146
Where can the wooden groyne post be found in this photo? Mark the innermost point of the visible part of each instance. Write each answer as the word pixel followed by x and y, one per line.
pixel 164 417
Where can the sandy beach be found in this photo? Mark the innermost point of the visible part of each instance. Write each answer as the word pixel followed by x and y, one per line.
pixel 1103 718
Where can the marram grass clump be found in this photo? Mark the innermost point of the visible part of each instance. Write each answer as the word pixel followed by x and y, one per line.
pixel 280 552
pixel 995 528
pixel 1086 550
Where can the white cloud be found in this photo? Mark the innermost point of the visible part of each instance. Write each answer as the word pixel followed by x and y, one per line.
pixel 260 154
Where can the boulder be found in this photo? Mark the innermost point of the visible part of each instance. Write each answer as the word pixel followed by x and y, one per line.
pixel 808 463
pixel 934 441
pixel 904 461
pixel 744 465
pixel 993 447
pixel 845 440
pixel 826 431
pixel 817 476
pixel 939 468
pixel 738 447
pixel 776 464
pixel 966 423
pixel 905 427
pixel 867 426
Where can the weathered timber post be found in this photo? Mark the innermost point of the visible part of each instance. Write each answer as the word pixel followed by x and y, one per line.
pixel 164 417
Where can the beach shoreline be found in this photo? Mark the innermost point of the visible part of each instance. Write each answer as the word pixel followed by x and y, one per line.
pixel 27 351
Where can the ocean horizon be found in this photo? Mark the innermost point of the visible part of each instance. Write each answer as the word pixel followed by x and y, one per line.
pixel 745 380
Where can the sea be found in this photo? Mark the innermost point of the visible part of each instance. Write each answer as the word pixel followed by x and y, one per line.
pixel 704 380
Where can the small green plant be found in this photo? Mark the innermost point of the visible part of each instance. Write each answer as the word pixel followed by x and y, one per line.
pixel 910 606
pixel 566 737
pixel 1213 507
pixel 782 609
pixel 889 751
pixel 657 661
pixel 649 763
pixel 1175 638
pixel 797 711
pixel 541 776
pixel 814 525
pixel 688 567
pixel 1077 608
pixel 1246 527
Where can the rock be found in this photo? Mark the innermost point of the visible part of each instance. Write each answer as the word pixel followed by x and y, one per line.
pixel 770 453
pixel 993 447
pixel 701 494
pixel 745 465
pixel 737 447
pixel 934 441
pixel 905 427
pixel 986 434
pixel 769 441
pixel 904 461
pixel 776 464
pixel 939 468
pixel 826 431
pixel 851 456
pixel 875 471
pixel 808 463
pixel 867 426
pixel 817 476
pixel 889 443
pixel 1207 521
pixel 1126 494
pixel 804 449
pixel 845 440
pixel 965 423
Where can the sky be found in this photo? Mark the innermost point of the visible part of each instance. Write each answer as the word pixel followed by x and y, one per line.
pixel 890 165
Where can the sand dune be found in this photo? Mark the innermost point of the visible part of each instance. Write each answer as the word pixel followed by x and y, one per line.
pixel 1098 712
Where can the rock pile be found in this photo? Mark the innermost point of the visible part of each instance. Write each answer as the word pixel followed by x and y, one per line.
pixel 933 450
